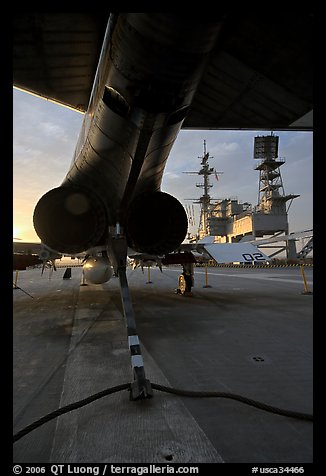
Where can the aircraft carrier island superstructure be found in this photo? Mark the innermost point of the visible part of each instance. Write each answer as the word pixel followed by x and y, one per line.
pixel 229 220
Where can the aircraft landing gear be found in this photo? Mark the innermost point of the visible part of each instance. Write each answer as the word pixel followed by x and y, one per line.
pixel 186 280
pixel 141 387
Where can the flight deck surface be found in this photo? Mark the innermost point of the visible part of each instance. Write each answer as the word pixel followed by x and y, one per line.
pixel 249 334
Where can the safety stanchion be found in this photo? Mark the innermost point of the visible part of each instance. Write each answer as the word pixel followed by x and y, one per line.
pixel 206 277
pixel 305 284
pixel 17 287
pixel 83 281
pixel 149 275
pixel 16 279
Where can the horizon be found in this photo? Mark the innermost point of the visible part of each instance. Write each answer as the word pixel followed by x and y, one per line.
pixel 45 135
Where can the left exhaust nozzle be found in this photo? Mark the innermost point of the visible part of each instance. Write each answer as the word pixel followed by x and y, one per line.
pixel 70 220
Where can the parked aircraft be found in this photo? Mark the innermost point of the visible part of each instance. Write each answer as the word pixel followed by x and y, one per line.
pixel 154 75
pixel 140 78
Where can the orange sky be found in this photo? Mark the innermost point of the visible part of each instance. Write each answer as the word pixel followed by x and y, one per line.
pixel 44 136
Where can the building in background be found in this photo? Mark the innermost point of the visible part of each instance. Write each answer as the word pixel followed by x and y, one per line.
pixel 229 220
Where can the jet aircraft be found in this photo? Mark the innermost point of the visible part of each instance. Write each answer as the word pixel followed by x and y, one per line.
pixel 139 78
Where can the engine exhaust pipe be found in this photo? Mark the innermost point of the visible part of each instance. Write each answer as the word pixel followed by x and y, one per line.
pixel 156 223
pixel 70 220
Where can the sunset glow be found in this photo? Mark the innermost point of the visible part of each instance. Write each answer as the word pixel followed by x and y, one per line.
pixel 16 233
pixel 45 136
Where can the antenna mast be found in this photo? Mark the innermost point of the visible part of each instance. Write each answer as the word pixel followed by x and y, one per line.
pixel 205 200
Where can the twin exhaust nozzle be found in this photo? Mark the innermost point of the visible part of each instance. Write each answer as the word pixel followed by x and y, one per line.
pixel 70 220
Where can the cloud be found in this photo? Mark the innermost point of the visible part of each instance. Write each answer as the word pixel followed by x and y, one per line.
pixel 226 148
pixel 54 131
pixel 171 176
pixel 45 136
pixel 232 153
pixel 42 148
pixel 42 153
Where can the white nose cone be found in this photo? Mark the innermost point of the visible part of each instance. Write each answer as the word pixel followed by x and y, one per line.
pixel 98 270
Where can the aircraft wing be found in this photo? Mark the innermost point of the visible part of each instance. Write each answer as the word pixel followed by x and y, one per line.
pixel 28 248
pixel 234 252
pixel 205 249
pixel 248 82
pixel 26 254
pixel 23 248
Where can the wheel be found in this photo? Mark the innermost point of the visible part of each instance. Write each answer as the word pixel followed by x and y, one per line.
pixel 182 284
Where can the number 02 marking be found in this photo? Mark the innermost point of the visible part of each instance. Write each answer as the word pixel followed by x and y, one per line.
pixel 253 257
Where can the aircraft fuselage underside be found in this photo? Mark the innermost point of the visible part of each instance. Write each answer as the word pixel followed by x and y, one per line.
pixel 147 76
pixel 149 69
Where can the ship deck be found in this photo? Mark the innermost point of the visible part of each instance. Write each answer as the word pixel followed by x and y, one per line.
pixel 250 334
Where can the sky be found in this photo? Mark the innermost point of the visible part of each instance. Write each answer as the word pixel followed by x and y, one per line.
pixel 45 135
